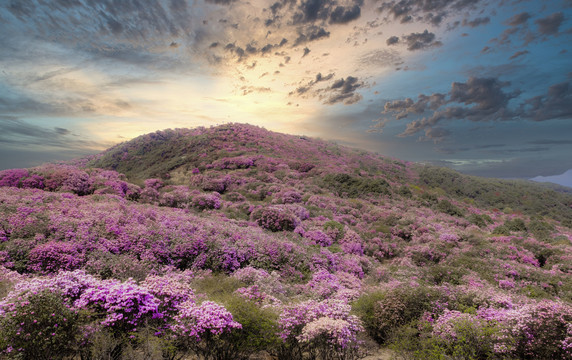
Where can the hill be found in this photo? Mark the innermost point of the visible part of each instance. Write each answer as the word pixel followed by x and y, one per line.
pixel 235 241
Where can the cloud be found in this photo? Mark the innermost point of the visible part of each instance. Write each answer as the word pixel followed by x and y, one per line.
pixel 62 131
pixel 392 40
pixel 380 58
pixel 551 142
pixel 550 24
pixel 435 134
pixel 344 91
pixel 310 11
pixel 476 22
pixel 518 19
pixel 305 88
pixel 221 2
pixel 254 89
pixel 478 99
pixel 433 12
pixel 555 104
pixel 311 33
pixel 17 133
pixel 343 15
pixel 518 54
pixel 419 41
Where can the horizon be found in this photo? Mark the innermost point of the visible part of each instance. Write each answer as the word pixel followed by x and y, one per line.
pixel 478 86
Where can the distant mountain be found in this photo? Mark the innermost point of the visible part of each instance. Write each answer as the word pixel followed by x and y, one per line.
pixel 564 179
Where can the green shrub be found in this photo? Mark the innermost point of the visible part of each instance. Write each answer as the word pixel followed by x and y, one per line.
pixel 429 199
pixel 364 307
pixel 446 207
pixel 474 340
pixel 515 224
pixel 259 327
pixel 501 230
pixel 440 274
pixel 353 186
pixel 480 220
pixel 218 288
pixel 405 191
pixel 384 313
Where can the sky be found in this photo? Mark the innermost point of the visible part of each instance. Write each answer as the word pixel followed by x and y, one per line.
pixel 484 87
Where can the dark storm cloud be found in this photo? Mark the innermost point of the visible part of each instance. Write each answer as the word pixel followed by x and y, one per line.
pixel 476 22
pixel 419 41
pixel 310 34
pixel 550 24
pixel 433 12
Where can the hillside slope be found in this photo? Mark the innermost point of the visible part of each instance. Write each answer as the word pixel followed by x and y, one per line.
pixel 173 154
pixel 235 241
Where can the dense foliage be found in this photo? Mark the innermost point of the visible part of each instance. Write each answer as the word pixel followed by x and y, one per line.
pixel 226 243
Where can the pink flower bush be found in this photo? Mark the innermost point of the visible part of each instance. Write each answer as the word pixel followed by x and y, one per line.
pixel 275 218
pixel 207 201
pixel 322 327
pixel 202 321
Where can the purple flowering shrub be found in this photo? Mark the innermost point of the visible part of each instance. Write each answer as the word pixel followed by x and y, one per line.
pixel 319 238
pixel 13 177
pixel 56 255
pixel 275 218
pixel 207 201
pixel 171 289
pixel 202 328
pixel 322 330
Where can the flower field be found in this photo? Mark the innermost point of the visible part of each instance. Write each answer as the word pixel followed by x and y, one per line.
pixel 235 242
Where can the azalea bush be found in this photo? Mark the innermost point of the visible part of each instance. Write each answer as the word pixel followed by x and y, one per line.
pixel 275 218
pixel 320 330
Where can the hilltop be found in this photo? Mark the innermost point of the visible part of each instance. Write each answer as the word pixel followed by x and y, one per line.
pixel 234 241
pixel 173 154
